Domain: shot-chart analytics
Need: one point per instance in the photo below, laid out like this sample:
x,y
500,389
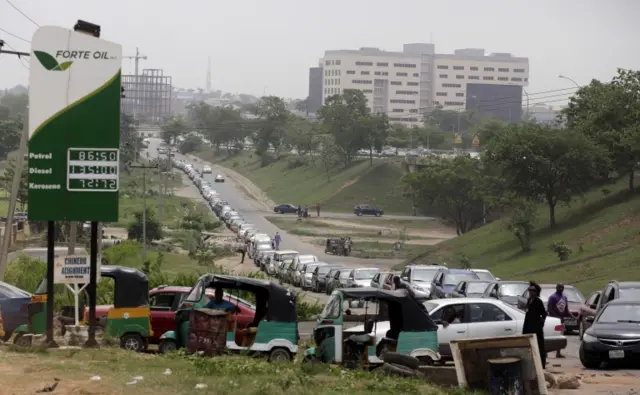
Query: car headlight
x,y
587,338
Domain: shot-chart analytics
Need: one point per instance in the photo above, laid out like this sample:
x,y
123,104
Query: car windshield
x,y
365,274
324,269
572,294
513,289
455,278
8,291
485,276
620,313
310,268
630,293
307,259
345,273
477,287
425,275
286,257
430,306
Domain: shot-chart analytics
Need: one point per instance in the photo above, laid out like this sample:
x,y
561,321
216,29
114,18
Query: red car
x,y
164,302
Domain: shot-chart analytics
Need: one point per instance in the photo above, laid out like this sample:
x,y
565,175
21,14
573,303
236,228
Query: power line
x,y
23,14
14,36
19,57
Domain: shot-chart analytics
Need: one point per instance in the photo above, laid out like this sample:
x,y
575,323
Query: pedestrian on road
x,y
299,211
306,211
276,240
318,208
558,306
243,251
415,210
534,319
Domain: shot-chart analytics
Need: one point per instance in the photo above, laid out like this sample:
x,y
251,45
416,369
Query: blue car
x,y
14,305
445,281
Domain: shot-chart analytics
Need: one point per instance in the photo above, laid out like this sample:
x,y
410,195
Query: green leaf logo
x,y
50,63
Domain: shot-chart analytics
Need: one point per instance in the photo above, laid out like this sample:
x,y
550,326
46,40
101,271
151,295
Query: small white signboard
x,y
73,269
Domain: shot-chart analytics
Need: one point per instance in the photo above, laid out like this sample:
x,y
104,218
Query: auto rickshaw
x,y
129,319
335,247
412,332
273,332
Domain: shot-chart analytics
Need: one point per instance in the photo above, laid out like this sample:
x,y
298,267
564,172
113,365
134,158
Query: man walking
x,y
558,307
318,208
276,240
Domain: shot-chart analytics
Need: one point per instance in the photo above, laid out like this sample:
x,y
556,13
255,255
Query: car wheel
x,y
281,212
588,360
132,342
359,214
401,359
279,355
167,345
378,214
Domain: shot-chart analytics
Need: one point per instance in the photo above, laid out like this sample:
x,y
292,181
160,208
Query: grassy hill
x,y
290,180
601,229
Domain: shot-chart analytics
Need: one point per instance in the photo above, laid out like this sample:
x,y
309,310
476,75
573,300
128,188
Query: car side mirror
x,y
590,319
593,306
498,279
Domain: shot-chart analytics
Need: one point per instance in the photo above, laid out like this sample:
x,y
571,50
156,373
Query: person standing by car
x,y
276,241
398,284
318,208
534,319
558,307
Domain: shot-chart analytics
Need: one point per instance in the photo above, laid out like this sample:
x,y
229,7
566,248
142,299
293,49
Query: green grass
x,y
174,207
296,181
601,230
27,372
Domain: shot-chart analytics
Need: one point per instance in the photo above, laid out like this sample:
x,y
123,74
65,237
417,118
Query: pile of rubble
x,y
557,380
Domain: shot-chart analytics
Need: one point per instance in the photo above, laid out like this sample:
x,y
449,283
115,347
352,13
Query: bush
x,y
294,163
561,249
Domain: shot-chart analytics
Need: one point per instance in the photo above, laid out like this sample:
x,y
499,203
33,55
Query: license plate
x,y
570,322
616,354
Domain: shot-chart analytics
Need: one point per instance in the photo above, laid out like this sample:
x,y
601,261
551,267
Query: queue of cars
x,y
484,305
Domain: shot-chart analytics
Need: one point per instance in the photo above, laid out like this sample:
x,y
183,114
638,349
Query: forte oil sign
x,y
74,127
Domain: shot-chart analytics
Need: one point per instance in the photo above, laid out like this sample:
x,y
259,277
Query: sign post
x,y
74,136
72,271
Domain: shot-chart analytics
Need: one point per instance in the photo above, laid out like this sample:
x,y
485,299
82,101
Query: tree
x,y
10,134
328,153
176,127
16,103
273,113
377,131
487,130
23,190
609,113
346,118
522,222
190,144
154,230
301,135
130,140
544,164
455,189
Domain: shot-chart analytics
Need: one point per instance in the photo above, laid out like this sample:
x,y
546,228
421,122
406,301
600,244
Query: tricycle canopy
x,y
273,301
131,286
403,308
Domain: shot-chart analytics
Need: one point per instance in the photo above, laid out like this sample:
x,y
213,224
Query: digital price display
x,y
93,169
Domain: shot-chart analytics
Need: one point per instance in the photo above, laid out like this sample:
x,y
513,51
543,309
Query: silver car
x,y
306,275
300,261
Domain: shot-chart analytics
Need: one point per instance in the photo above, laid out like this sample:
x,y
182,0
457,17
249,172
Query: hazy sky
x,y
268,46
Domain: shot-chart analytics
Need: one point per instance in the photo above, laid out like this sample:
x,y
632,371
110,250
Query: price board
x,y
74,127
92,169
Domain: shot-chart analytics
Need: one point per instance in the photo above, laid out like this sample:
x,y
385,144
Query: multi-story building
x,y
314,100
147,96
406,85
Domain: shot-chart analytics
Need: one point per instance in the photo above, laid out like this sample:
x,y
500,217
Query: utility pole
x,y
15,185
136,59
144,205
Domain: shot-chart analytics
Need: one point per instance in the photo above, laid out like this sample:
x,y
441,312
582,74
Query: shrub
x,y
561,249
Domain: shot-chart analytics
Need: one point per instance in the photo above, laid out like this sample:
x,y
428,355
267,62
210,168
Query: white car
x,y
219,178
206,170
479,317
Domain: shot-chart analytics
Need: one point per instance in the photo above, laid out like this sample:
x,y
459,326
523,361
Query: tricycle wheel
x,y
395,358
22,340
279,355
132,342
167,345
311,360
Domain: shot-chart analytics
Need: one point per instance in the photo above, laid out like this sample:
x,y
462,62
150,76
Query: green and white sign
x,y
74,126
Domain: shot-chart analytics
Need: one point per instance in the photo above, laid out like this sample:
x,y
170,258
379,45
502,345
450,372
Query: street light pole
x,y
144,206
564,77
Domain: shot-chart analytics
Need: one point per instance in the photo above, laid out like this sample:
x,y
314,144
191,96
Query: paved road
x,y
255,213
